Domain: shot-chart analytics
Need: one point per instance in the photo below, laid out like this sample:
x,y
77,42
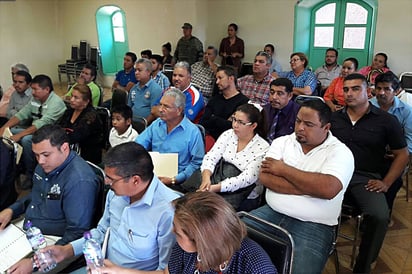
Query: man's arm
x,y
315,184
306,90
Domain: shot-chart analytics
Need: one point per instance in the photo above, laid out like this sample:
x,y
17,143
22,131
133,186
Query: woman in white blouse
x,y
243,146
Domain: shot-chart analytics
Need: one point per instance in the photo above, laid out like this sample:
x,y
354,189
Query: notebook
x,y
14,246
165,164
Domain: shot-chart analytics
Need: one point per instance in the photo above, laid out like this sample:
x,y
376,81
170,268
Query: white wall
x,y
40,33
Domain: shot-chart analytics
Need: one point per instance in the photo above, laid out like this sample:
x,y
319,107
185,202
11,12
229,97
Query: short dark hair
x,y
92,69
385,56
229,71
130,159
158,58
334,50
271,46
255,116
388,77
284,82
43,81
168,46
321,108
356,76
147,52
353,60
25,74
131,55
214,49
56,135
234,26
124,110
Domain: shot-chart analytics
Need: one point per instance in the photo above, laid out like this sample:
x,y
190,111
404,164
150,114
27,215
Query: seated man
x,y
126,79
146,54
282,110
275,66
256,86
221,106
368,132
306,175
157,74
64,191
194,106
330,70
144,95
138,212
204,72
174,133
6,94
23,94
44,108
87,76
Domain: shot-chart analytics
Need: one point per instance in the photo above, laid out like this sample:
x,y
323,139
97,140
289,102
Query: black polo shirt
x,y
369,137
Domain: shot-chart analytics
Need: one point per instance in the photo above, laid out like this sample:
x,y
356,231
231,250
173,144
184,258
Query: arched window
x,y
112,35
347,25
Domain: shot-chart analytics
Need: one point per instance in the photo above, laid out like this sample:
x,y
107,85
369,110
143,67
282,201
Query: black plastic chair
x,y
275,240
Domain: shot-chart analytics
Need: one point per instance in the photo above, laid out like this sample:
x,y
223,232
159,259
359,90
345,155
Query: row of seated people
x,y
167,106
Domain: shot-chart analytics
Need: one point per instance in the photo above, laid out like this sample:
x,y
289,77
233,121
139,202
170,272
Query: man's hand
x,y
166,180
58,252
5,217
23,266
376,186
272,166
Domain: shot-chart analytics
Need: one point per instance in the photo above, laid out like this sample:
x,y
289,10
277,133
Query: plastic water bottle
x,y
35,237
92,253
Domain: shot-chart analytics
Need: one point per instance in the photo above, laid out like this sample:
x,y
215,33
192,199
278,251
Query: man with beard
x,y
281,111
330,70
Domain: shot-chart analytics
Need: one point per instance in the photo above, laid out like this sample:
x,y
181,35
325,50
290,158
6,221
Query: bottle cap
x,y
87,235
28,224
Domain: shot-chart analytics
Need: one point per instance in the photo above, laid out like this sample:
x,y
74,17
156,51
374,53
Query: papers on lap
x,y
14,246
17,147
165,164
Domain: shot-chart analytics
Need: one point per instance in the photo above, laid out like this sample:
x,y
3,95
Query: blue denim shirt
x,y
141,234
62,202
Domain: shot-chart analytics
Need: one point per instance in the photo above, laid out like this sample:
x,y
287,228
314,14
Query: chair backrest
x,y
203,133
275,240
168,71
139,123
101,193
406,81
119,97
104,115
246,69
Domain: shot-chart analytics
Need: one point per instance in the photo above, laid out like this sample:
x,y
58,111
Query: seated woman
x,y
210,239
379,65
334,93
83,125
304,81
243,146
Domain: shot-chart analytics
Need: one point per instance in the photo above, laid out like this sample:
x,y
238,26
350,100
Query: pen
x,y
130,235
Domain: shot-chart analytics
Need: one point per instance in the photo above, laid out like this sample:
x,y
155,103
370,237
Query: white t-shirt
x,y
331,157
116,139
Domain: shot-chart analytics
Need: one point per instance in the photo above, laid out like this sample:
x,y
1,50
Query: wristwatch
x,y
173,180
34,265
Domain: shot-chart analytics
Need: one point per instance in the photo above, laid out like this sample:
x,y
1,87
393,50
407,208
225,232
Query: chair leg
x,y
355,240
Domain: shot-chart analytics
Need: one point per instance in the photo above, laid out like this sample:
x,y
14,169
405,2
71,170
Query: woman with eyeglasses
x,y
379,66
334,93
304,81
232,48
211,239
83,125
243,146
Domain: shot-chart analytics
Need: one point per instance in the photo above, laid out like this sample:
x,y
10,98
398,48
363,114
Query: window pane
x,y
355,14
117,20
354,38
118,34
326,14
323,37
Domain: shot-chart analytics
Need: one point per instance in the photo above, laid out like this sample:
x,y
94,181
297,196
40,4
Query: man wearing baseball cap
x,y
189,48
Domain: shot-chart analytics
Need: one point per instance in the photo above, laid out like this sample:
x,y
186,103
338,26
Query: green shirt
x,y
43,114
95,92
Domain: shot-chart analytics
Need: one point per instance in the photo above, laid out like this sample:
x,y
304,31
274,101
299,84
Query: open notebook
x,y
14,246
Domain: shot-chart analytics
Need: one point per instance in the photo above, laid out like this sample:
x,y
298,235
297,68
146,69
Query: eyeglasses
x,y
112,182
294,60
240,122
306,98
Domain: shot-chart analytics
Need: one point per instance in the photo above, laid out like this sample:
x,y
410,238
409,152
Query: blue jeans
x,y
313,241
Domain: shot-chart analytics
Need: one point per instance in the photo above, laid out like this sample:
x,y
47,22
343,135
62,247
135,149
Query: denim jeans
x,y
313,241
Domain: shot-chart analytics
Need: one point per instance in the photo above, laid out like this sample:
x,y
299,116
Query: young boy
x,y
122,130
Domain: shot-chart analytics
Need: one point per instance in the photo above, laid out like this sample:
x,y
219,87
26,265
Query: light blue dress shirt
x,y
141,234
403,113
185,139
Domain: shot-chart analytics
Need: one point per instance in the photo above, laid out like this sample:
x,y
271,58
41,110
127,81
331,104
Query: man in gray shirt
x,y
23,94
